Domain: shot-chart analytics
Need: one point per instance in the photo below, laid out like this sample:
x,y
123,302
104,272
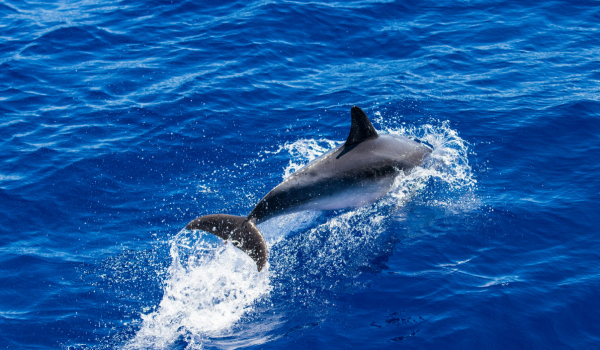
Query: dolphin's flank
x,y
357,173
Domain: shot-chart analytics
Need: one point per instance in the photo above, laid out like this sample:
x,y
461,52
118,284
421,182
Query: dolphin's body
x,y
357,173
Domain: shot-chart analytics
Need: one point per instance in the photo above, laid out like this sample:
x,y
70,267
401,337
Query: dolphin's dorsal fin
x,y
361,128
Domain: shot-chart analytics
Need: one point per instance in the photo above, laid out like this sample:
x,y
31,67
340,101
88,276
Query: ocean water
x,y
121,121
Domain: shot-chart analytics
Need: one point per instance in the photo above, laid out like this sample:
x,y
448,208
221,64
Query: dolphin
x,y
357,173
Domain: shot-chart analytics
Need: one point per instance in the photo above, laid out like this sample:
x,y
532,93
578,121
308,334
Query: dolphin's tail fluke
x,y
242,232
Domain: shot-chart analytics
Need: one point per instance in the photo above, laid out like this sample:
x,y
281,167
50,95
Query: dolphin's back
x,y
364,167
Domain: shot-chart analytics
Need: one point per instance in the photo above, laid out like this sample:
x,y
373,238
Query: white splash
x,y
303,152
210,286
447,166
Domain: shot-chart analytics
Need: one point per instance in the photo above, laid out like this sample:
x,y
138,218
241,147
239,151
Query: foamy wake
x,y
211,286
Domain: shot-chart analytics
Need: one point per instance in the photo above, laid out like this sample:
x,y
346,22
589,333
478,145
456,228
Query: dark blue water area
x,y
121,121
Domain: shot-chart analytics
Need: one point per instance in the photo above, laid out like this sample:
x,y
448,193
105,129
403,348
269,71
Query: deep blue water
x,y
121,121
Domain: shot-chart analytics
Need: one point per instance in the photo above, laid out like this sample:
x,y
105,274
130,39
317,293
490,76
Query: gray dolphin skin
x,y
357,173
